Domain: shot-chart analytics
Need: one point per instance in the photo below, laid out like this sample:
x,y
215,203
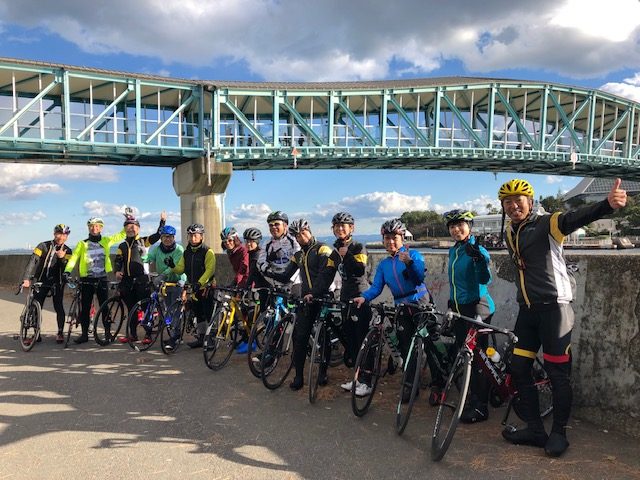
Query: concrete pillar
x,y
201,192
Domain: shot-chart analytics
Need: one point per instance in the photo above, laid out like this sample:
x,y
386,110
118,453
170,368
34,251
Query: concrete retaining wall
x,y
606,336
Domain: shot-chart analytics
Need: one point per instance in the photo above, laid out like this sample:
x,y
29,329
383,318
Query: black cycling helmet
x,y
393,227
228,232
62,228
342,217
277,215
252,233
457,215
298,226
131,220
195,228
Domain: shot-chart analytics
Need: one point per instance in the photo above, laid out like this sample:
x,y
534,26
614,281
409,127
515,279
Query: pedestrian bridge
x,y
64,114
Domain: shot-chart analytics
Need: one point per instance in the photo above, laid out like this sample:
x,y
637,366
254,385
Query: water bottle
x,y
392,341
495,357
140,316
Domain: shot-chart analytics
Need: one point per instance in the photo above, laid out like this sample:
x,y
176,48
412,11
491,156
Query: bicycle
x,y
422,350
108,320
179,321
255,343
30,318
453,397
276,360
374,352
149,314
223,332
325,334
73,317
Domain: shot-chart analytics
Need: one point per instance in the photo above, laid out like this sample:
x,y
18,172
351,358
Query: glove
x,y
65,277
263,267
128,212
473,250
168,261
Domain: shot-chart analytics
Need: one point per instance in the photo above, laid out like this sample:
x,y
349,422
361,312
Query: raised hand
x,y
617,197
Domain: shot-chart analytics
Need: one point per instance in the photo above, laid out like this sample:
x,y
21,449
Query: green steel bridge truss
x,y
62,114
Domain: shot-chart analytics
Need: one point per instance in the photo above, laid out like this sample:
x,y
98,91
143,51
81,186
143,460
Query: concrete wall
x,y
606,336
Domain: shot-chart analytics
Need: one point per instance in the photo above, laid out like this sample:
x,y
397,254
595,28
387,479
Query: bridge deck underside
x,y
67,115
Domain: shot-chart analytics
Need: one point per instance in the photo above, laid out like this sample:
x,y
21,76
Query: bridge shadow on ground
x,y
114,412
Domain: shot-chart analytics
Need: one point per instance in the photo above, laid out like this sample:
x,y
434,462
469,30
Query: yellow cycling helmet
x,y
515,187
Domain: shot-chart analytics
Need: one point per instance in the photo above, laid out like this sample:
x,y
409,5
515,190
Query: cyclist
x,y
544,293
252,238
131,270
46,265
312,259
168,248
349,258
199,264
403,271
238,255
469,275
278,251
94,263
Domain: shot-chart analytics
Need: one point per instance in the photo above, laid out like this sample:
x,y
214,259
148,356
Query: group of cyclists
x,y
293,258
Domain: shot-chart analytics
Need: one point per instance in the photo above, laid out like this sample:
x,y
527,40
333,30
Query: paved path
x,y
110,413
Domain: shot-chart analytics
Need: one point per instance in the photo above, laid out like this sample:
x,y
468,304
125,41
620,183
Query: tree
x,y
491,210
424,223
553,204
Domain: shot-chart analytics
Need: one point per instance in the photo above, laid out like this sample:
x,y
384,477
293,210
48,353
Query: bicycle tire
x,y
72,320
277,357
108,321
257,336
30,326
451,405
220,340
316,360
173,327
403,412
367,370
149,319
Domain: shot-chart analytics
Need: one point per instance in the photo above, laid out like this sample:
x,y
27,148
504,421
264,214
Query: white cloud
x,y
19,181
113,214
551,179
308,41
21,218
628,88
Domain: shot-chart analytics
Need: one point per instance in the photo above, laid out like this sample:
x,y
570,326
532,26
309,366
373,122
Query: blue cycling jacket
x,y
406,282
468,280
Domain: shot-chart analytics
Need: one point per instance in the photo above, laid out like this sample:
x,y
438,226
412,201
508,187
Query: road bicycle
x,y
179,322
30,318
230,322
148,316
258,333
377,353
453,397
73,315
426,348
276,359
325,337
109,317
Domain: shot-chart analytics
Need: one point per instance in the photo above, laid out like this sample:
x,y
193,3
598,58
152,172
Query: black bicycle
x,y
30,318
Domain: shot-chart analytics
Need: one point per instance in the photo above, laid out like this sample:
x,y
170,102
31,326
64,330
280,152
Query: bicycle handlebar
x,y
479,323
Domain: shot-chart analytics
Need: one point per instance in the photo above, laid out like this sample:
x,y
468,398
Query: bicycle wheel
x,y
451,405
410,376
72,320
543,387
277,357
148,319
337,349
317,360
367,371
108,320
30,326
257,337
220,340
172,329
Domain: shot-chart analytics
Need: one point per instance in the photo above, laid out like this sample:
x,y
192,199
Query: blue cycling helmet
x,y
167,230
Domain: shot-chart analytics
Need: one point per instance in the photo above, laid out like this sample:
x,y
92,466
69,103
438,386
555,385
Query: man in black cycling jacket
x,y
46,265
545,317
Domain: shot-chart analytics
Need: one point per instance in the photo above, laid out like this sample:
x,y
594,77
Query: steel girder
x,y
68,114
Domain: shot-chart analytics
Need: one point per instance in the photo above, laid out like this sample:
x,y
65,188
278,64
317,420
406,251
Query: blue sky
x,y
561,41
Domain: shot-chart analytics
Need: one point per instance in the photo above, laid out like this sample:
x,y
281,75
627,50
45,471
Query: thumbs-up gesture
x,y
617,197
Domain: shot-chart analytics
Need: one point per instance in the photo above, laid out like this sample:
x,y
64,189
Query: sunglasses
x,y
275,225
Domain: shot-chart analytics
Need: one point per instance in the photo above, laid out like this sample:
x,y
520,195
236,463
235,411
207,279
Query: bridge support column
x,y
201,190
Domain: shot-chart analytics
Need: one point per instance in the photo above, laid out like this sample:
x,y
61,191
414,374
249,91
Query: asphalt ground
x,y
90,412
